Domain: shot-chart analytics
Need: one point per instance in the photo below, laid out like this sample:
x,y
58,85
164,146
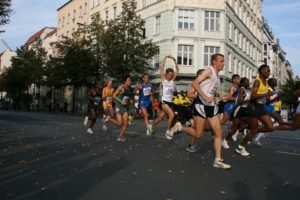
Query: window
x,y
63,22
106,16
96,2
212,21
68,19
157,25
208,52
230,63
80,11
185,55
186,19
265,49
85,8
143,3
236,35
156,60
114,12
240,40
234,65
230,30
74,15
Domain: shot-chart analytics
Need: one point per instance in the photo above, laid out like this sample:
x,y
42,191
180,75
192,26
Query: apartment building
x,y
190,30
5,59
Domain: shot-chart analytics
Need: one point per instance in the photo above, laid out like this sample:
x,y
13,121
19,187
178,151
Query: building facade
x,y
190,30
5,59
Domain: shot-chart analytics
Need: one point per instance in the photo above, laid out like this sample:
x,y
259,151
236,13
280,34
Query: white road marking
x,y
288,153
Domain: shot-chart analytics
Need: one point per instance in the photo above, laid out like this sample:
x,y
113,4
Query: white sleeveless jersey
x,y
210,87
168,90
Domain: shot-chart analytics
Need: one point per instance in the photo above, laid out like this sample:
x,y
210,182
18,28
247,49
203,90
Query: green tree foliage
x,y
5,11
288,89
127,50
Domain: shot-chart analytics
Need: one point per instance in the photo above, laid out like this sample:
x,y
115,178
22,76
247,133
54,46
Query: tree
x,y
5,11
288,89
77,62
127,50
96,37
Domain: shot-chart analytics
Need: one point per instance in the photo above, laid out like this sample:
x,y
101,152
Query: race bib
x,y
147,91
108,99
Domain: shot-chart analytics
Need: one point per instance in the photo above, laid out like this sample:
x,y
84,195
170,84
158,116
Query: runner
x,y
270,109
107,96
240,112
232,95
123,98
93,107
259,95
144,101
192,94
167,79
206,86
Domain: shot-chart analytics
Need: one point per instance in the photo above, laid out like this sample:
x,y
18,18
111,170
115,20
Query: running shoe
x,y
176,128
225,144
220,164
168,135
85,121
242,151
121,139
104,127
191,148
149,130
89,131
235,136
257,143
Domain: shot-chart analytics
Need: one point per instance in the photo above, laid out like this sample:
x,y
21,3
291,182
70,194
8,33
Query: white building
x,y
5,59
191,30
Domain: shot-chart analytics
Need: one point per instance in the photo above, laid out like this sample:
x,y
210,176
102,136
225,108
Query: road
x,y
48,156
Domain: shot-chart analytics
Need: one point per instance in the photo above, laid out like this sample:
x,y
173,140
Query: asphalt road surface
x,y
48,156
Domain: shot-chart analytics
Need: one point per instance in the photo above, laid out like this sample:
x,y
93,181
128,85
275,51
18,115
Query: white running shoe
x,y
104,127
220,164
168,135
121,139
176,128
242,151
86,120
149,130
235,136
257,143
225,144
89,131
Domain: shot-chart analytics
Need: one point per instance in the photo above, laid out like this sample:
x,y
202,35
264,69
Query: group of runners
x,y
244,109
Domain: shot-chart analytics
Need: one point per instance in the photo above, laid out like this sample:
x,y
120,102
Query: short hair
x,y
215,56
126,77
199,72
242,81
234,76
169,70
262,67
271,81
145,74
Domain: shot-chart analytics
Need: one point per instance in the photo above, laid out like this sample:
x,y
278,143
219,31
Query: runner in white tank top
x,y
206,86
168,90
167,79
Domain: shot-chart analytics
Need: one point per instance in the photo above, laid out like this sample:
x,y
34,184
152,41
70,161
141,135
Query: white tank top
x,y
210,87
168,90
246,97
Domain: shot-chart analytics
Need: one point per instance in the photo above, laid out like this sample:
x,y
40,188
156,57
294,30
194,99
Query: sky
x,y
29,16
